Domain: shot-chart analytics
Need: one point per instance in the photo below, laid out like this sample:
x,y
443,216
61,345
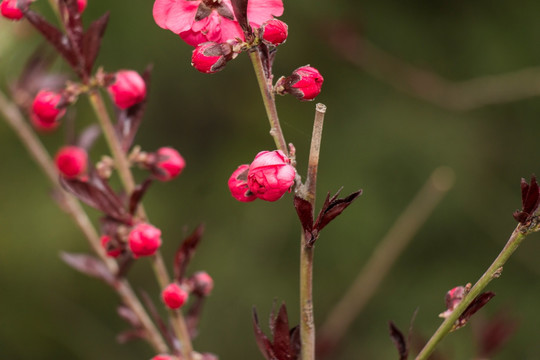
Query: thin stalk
x,y
40,155
307,324
265,85
492,272
383,258
124,171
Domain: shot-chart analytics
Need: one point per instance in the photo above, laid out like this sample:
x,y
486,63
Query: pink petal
x,y
175,15
260,11
230,30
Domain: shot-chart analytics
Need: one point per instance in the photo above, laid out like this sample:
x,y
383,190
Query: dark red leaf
x,y
193,316
494,334
296,345
240,12
91,41
127,314
265,346
185,252
130,118
165,331
137,195
130,335
399,341
479,302
305,214
282,342
533,195
71,18
89,265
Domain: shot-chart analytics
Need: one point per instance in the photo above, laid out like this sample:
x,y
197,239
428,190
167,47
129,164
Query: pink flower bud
x,y
202,283
9,10
211,57
109,248
81,5
162,357
274,32
167,164
128,89
174,296
45,113
305,83
238,185
453,298
144,240
71,161
270,175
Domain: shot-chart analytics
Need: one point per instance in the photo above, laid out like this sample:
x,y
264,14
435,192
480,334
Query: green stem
x,y
265,85
492,272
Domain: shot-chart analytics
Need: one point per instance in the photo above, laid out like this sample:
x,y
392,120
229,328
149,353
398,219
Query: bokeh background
x,y
376,137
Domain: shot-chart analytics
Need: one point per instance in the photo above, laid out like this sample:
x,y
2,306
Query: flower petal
x,y
175,15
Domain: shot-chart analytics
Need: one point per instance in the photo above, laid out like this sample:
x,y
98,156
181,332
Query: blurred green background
x,y
375,137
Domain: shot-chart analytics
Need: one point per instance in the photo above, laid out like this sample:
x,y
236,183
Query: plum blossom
x,y
198,21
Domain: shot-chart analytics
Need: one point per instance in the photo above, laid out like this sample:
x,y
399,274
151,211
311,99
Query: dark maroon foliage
x,y
240,12
491,335
399,341
332,208
479,302
90,266
193,315
286,342
137,195
130,118
165,330
185,252
530,200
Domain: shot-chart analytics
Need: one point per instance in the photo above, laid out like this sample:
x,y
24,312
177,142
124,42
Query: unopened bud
x,y
270,175
174,296
202,283
127,89
9,10
238,185
166,163
45,113
71,161
274,32
81,5
108,246
211,57
144,240
304,83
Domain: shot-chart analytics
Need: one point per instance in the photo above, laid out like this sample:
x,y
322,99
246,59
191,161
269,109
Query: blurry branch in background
x,y
429,86
383,258
14,118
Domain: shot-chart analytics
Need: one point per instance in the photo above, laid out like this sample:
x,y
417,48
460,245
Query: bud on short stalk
x,y
81,5
127,89
71,161
174,296
144,240
9,10
304,83
211,57
45,112
202,283
270,175
274,32
166,163
238,185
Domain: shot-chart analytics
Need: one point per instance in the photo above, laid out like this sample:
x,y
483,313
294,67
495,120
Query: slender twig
x,y
124,171
383,258
40,155
494,270
265,85
432,87
307,324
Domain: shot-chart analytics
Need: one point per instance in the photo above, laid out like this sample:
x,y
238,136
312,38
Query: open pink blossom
x,y
198,21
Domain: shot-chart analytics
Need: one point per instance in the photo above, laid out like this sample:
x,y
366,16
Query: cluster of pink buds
x,y
71,161
175,295
268,177
127,89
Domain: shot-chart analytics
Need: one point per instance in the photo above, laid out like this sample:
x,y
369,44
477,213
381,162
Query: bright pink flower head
x,y
210,57
9,10
109,249
305,83
202,283
274,32
174,296
71,161
81,5
144,240
168,164
270,175
238,185
198,21
45,113
128,89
